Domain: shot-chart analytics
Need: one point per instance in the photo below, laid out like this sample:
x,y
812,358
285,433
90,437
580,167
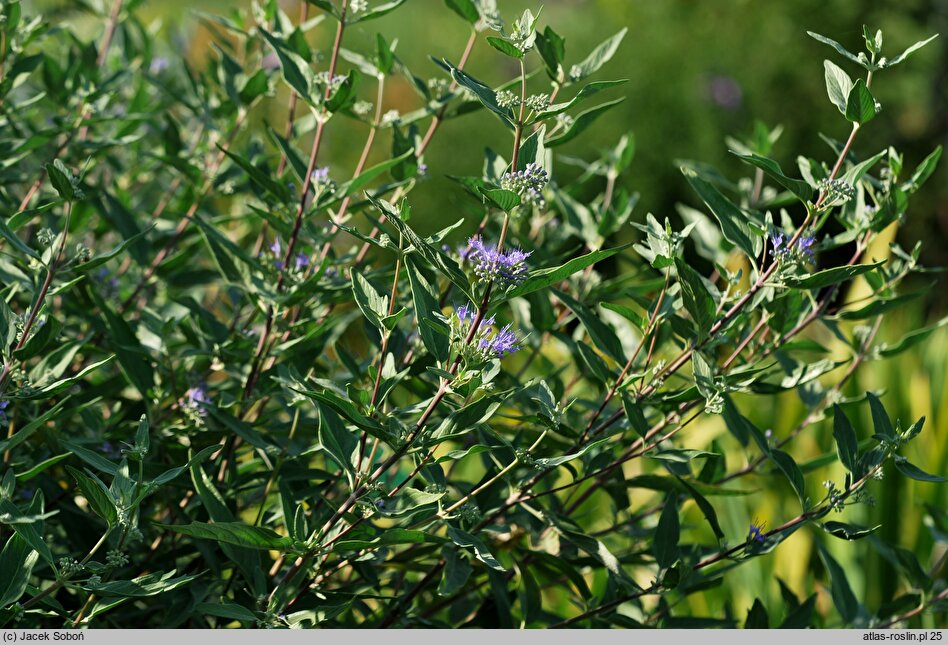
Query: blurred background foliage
x,y
699,72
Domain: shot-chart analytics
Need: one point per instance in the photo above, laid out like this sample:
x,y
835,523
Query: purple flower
x,y
158,65
725,92
320,175
465,313
3,414
805,245
109,450
422,169
755,534
301,261
198,399
107,283
803,248
501,343
508,268
277,250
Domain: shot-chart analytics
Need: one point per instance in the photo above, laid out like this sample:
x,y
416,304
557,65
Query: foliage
x,y
238,377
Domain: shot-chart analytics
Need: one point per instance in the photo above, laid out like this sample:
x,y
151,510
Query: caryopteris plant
x,y
241,387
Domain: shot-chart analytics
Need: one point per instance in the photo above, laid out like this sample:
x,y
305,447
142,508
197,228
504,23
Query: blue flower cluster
x,y
802,249
756,533
509,268
198,400
488,343
300,260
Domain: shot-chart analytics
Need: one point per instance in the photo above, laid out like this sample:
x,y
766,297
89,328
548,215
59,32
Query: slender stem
x,y
40,298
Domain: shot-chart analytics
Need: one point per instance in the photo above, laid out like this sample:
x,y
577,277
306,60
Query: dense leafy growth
x,y
239,378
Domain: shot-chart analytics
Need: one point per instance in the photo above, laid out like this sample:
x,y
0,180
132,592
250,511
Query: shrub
x,y
239,378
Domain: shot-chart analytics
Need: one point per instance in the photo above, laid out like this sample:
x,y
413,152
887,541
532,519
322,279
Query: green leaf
x,y
880,420
832,276
484,94
464,8
910,339
505,200
583,121
798,187
7,327
444,264
457,570
377,11
552,49
552,462
384,54
151,584
925,168
337,441
31,532
835,45
505,47
600,333
99,497
296,72
259,177
543,278
434,333
914,472
373,305
16,564
838,85
236,533
843,597
26,431
801,616
860,104
388,537
735,225
667,533
706,508
101,259
846,531
40,339
789,468
62,180
248,560
92,458
847,445
226,610
696,297
16,242
911,50
467,541
597,57
757,617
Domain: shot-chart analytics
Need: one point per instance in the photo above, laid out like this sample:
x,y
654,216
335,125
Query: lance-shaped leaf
x,y
829,277
697,299
798,187
236,533
847,445
373,305
583,121
737,227
484,94
600,333
598,57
